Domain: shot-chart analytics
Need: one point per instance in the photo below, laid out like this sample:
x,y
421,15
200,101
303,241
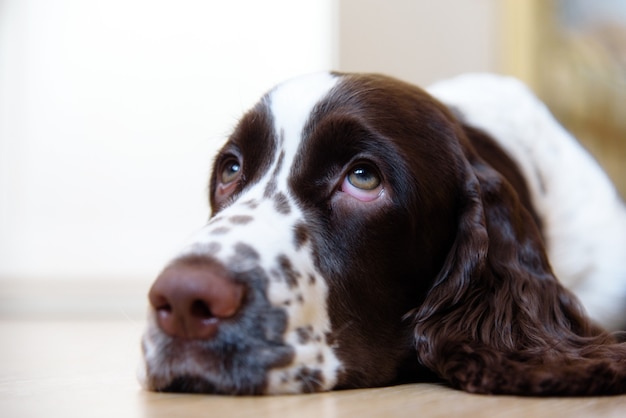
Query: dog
x,y
365,232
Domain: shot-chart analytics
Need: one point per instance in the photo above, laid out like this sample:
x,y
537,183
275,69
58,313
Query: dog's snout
x,y
193,296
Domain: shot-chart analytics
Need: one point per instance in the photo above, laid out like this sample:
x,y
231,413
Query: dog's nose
x,y
193,296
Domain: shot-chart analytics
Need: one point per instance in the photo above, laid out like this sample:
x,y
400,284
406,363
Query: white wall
x,y
110,112
421,41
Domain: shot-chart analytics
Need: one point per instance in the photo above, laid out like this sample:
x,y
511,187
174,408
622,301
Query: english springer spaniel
x,y
365,232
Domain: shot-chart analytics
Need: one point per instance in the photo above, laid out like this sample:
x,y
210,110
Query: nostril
x,y
200,309
164,311
159,302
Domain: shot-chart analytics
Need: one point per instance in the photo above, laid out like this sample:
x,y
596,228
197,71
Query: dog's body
x,y
363,234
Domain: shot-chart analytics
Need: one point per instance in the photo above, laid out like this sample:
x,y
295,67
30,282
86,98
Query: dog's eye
x,y
228,178
364,177
231,169
363,182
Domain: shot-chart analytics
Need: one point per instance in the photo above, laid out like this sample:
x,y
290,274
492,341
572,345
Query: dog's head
x,y
354,232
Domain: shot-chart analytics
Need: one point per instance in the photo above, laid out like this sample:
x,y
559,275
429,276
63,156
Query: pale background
x,y
111,111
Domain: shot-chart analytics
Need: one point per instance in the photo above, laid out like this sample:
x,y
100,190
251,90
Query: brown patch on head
x,y
252,203
241,219
281,204
305,334
312,379
220,230
212,248
300,235
287,271
271,186
245,251
281,158
329,339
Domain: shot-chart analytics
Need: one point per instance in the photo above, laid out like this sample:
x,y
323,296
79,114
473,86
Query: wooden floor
x,y
87,369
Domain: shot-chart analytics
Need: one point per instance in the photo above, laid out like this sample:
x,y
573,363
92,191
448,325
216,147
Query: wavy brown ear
x,y
496,319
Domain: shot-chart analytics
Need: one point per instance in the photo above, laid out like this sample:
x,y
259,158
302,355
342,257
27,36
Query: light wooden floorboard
x,y
88,369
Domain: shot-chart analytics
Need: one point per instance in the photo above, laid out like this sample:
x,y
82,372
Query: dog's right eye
x,y
230,171
228,178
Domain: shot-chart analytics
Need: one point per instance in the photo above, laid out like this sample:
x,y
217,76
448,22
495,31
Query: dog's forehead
x,y
272,133
292,104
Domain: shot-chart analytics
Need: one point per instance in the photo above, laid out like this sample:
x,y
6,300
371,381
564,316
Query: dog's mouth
x,y
237,367
191,384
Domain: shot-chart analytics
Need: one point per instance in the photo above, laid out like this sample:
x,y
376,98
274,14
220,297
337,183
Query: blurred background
x,y
111,111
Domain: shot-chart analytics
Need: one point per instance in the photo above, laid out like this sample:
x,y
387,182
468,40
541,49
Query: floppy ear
x,y
496,319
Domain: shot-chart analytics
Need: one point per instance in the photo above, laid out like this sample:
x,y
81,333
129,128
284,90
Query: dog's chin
x,y
196,384
207,382
179,366
190,384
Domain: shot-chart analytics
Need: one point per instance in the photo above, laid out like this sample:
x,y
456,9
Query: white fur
x,y
583,215
272,234
292,103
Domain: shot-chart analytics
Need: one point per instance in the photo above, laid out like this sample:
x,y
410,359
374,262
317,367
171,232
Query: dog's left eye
x,y
363,182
